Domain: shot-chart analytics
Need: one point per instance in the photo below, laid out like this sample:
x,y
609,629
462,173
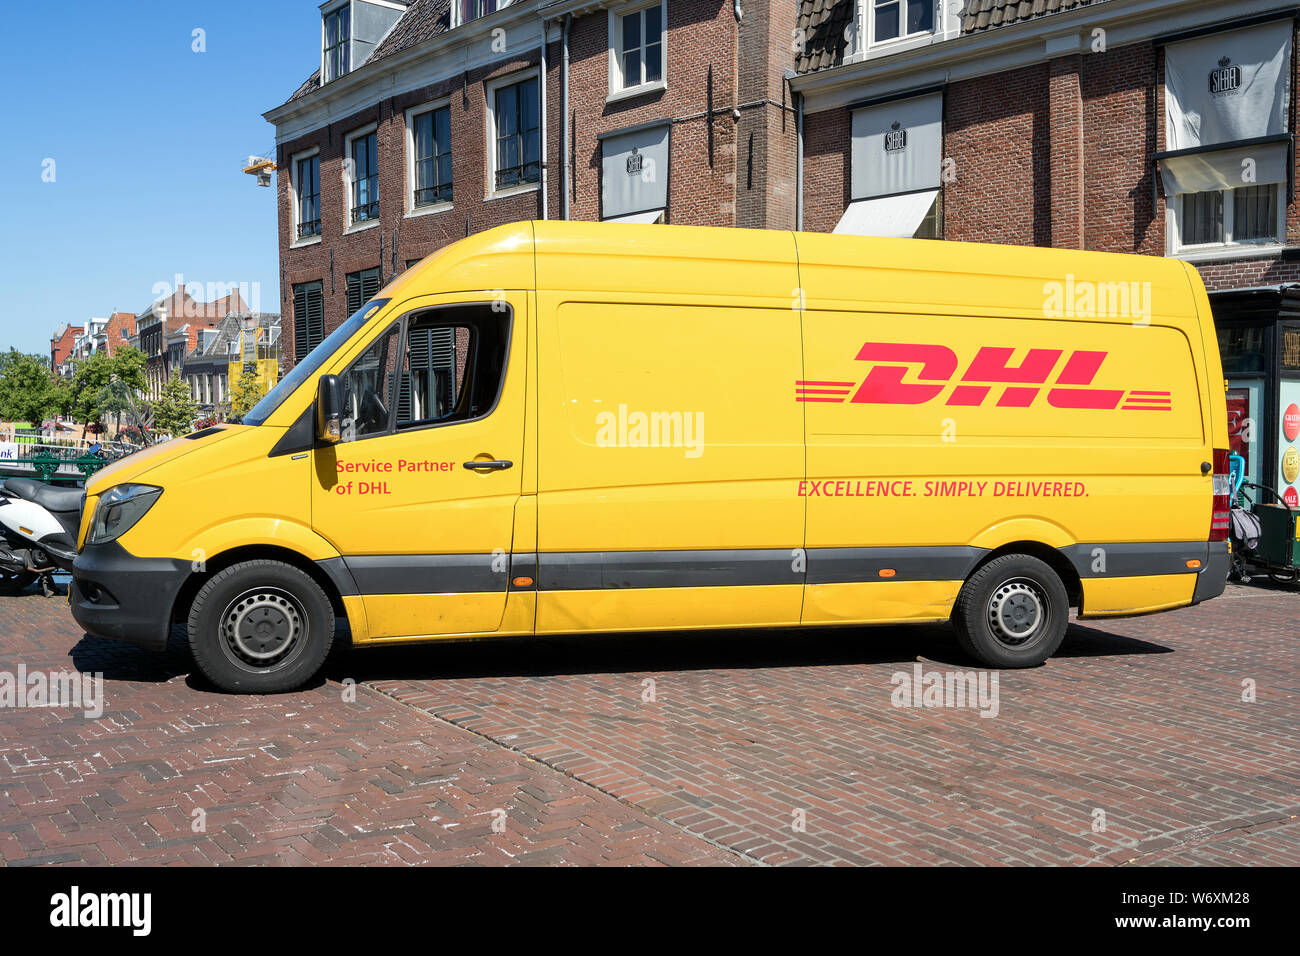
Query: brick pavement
x,y
1139,720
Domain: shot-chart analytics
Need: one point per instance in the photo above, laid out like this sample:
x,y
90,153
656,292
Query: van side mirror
x,y
329,410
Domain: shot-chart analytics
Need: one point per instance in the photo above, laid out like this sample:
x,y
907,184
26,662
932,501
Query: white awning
x,y
898,216
1225,169
649,216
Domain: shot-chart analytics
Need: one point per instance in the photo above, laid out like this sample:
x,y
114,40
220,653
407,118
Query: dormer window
x,y
338,42
467,10
896,19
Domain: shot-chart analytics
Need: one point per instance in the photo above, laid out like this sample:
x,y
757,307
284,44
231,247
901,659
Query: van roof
x,y
825,270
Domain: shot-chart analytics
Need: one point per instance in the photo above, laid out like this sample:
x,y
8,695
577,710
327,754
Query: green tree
x,y
99,383
175,410
246,392
89,378
28,390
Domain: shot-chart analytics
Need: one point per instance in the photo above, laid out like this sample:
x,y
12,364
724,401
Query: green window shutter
x,y
355,299
316,314
300,348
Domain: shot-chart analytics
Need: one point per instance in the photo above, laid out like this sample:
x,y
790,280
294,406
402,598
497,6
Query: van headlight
x,y
119,509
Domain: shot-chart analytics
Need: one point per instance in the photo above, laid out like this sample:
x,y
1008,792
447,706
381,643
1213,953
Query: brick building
x,y
1158,127
62,345
451,123
116,333
168,330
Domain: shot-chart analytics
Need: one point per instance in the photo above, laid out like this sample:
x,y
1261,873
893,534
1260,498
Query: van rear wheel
x,y
1012,612
260,627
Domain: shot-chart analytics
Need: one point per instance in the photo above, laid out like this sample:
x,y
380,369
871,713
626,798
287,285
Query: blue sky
x,y
148,139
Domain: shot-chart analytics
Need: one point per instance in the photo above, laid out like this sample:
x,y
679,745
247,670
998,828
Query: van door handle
x,y
488,465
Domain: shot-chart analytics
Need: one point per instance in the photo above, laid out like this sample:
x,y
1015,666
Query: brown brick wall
x,y
1123,126
996,132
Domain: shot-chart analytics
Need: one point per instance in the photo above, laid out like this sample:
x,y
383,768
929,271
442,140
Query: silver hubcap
x,y
1017,612
262,627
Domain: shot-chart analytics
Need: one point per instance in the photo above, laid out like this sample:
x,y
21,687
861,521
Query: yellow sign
x,y
1290,464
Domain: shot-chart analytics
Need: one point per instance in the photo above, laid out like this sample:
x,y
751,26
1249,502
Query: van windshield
x,y
311,363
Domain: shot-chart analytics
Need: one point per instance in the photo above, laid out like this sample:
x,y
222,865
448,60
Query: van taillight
x,y
1220,513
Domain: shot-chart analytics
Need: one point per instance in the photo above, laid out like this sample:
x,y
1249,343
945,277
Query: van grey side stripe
x,y
1136,559
429,573
599,570
852,565
595,570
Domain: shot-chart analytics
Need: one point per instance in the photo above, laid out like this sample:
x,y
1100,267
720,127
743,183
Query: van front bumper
x,y
116,595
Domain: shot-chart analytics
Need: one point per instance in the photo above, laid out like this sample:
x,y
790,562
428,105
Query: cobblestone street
x,y
1132,746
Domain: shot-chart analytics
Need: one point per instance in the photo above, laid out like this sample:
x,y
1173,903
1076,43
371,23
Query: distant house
x,y
62,345
167,331
116,333
219,353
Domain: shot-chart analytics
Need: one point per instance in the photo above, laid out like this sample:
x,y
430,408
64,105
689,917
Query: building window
x,y
467,10
306,191
363,177
431,156
308,318
638,47
891,19
516,117
337,42
1248,215
362,287
1254,214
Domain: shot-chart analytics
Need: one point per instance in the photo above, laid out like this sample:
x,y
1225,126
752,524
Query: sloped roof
x,y
824,23
986,14
423,20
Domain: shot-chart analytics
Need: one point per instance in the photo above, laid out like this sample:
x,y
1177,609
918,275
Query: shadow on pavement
x,y
604,653
699,650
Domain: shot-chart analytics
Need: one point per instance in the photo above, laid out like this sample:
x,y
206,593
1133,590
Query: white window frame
x,y
456,20
348,177
490,111
411,115
325,13
866,24
1229,248
294,211
617,88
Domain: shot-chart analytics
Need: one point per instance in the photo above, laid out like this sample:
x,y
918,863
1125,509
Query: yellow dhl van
x,y
574,427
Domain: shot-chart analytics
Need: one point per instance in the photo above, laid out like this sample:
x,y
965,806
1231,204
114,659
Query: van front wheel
x,y
1012,612
260,627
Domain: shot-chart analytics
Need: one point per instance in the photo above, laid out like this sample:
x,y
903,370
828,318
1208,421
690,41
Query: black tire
x,y
260,627
1012,612
14,581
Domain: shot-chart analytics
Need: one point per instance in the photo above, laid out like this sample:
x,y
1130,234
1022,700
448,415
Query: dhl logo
x,y
935,366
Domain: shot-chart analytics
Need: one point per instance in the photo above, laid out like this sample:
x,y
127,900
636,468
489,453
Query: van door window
x,y
453,366
367,388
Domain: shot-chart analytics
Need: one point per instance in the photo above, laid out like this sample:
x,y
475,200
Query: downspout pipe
x,y
542,90
798,155
565,186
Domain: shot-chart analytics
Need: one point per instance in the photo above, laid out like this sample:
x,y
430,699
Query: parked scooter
x,y
38,532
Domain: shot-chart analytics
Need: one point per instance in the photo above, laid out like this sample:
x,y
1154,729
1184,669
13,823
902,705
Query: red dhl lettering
x,y
915,374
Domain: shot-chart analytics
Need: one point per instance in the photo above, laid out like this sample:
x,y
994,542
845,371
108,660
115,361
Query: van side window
x,y
367,388
453,365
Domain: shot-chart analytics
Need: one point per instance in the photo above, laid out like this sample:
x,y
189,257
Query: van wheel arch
x,y
218,563
1050,556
